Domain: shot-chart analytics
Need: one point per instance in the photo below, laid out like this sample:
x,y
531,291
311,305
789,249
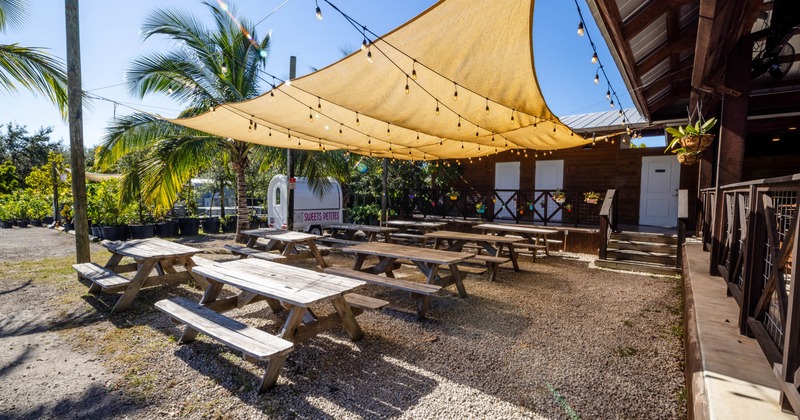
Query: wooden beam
x,y
670,78
609,13
684,42
677,92
642,19
733,120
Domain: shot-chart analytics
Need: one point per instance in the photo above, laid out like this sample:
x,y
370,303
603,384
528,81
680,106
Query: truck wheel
x,y
315,230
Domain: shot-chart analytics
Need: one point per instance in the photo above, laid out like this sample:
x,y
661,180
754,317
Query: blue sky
x,y
110,40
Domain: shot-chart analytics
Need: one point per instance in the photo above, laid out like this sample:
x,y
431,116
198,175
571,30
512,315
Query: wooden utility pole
x,y
54,175
74,98
289,160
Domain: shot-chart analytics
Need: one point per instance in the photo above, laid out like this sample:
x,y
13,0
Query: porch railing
x,y
608,221
753,247
705,209
520,206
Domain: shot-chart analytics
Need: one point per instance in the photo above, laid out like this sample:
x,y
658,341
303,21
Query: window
x,y
278,196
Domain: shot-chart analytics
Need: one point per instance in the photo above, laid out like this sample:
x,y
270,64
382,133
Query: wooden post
x,y
791,341
384,180
733,121
74,97
289,161
751,249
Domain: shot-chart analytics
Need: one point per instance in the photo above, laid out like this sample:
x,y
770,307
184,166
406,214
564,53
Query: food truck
x,y
312,212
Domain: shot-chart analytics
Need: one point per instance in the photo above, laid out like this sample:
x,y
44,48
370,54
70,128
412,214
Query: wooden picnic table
x,y
346,231
426,260
148,254
425,227
534,235
287,243
493,244
283,287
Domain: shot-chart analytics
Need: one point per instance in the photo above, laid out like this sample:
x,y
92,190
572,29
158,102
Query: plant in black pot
x,y
5,215
210,224
39,208
21,208
189,225
66,217
229,223
110,213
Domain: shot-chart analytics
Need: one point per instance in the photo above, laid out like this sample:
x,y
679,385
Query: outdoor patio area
x,y
559,339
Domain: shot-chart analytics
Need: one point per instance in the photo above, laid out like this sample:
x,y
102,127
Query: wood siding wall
x,y
603,167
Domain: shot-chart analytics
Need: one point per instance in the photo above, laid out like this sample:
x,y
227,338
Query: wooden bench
x,y
323,250
355,300
409,237
102,278
492,264
420,291
533,248
244,252
337,241
255,345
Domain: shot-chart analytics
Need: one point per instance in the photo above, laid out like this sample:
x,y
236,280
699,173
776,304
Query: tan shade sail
x,y
98,177
468,55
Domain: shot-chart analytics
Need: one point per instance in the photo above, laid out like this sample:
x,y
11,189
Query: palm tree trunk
x,y
242,214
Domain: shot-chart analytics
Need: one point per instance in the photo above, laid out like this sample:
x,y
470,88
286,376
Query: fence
x,y
754,242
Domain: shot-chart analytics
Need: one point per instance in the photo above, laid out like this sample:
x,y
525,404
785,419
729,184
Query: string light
x,y
459,124
340,129
487,106
611,103
455,91
319,105
414,70
310,115
357,121
369,54
597,77
580,28
512,115
319,11
608,94
270,132
437,107
364,45
388,131
594,58
407,89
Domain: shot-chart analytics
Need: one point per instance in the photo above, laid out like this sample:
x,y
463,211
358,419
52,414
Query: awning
x,y
98,177
467,55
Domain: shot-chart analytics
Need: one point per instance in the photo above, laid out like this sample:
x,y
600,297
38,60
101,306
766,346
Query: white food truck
x,y
311,212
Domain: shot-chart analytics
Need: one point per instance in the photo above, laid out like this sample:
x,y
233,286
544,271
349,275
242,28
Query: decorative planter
x,y
530,206
6,224
22,223
480,211
688,158
697,143
230,226
142,231
454,197
115,233
166,229
559,200
210,225
412,196
68,226
188,226
591,201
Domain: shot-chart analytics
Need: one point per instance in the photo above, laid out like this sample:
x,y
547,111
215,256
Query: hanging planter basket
x,y
454,197
591,200
697,143
688,158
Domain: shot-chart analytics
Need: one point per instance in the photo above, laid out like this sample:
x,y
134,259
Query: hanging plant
x,y
692,139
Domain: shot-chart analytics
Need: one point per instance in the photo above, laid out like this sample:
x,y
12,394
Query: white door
x,y
658,201
548,175
506,185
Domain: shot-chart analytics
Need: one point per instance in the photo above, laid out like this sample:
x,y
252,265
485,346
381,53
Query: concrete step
x,y
637,266
650,257
659,238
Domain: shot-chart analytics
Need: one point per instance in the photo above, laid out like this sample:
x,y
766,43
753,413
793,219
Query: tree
x,y
32,68
208,68
26,151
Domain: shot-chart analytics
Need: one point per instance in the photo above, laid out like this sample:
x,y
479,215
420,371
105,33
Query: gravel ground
x,y
560,339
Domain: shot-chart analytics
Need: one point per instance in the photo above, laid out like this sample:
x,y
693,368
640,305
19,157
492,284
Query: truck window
x,y
277,196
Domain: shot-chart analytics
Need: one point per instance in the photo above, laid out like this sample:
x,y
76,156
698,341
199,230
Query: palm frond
x,y
35,70
12,14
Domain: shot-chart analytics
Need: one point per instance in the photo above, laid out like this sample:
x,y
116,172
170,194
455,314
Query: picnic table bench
x,y
244,252
148,254
292,245
347,231
419,291
535,238
492,244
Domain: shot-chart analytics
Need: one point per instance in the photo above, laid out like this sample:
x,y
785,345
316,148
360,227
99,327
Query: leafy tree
x,y
33,69
26,151
208,68
8,177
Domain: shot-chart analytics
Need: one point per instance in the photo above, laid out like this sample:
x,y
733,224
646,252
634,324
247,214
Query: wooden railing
x,y
753,247
705,209
683,218
608,221
520,206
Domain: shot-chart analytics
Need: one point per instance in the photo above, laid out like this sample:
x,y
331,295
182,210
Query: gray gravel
x,y
557,340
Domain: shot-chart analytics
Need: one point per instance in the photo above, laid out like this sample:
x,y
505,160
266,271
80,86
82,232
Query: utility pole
x,y
74,98
54,175
383,195
289,162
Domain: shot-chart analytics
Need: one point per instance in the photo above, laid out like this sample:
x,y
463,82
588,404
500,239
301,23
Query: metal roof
x,y
606,121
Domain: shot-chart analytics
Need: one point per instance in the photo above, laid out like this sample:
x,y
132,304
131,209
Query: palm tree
x,y
31,68
209,68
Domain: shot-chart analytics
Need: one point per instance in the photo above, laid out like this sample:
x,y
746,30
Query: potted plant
x,y
38,208
66,217
453,194
568,208
692,139
591,197
210,224
5,215
480,208
530,204
559,196
21,209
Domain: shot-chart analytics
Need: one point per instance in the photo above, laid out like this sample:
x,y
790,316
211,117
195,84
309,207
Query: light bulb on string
x,y
318,11
369,54
414,70
364,45
357,121
310,115
611,103
289,134
580,29
270,132
608,94
250,127
512,115
594,58
437,108
407,89
597,78
459,123
255,126
388,130
487,106
340,129
319,105
455,91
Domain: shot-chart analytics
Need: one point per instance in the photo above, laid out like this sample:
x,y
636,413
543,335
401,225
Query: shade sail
x,y
98,177
479,51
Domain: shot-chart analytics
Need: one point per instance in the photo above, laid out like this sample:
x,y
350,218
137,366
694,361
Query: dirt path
x,y
41,376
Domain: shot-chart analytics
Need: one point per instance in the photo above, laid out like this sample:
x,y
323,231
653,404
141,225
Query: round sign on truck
x,y
312,210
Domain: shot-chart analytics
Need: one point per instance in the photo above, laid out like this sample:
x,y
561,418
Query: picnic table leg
x,y
315,251
423,304
133,288
293,321
273,370
348,320
512,254
189,264
462,292
387,238
359,262
113,261
251,241
384,265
